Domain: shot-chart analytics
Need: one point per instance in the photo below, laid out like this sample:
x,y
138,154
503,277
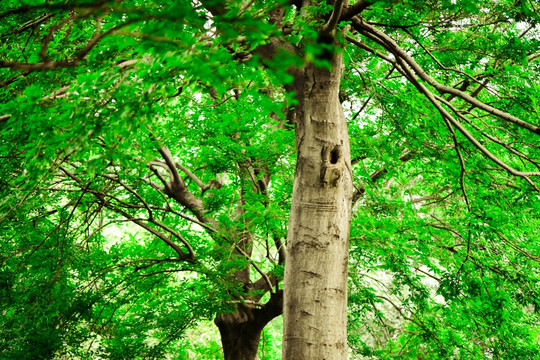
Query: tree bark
x,y
239,337
241,331
315,285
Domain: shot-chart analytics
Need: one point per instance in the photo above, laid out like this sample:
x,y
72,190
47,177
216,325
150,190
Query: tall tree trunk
x,y
315,285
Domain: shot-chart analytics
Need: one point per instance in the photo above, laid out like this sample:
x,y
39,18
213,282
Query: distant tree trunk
x,y
239,336
315,285
241,331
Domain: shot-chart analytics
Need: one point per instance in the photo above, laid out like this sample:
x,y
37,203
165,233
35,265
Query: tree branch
x,y
73,62
355,9
192,176
101,197
334,18
167,156
401,65
446,115
263,274
388,43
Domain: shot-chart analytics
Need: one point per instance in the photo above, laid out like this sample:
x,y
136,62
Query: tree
x,y
179,123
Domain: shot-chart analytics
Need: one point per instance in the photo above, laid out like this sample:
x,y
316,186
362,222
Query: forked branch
x,y
389,44
412,71
335,16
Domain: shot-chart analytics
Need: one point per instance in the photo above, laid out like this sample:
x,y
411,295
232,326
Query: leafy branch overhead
x,y
166,162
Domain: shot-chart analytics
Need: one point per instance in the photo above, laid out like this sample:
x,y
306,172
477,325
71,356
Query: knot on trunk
x,y
332,165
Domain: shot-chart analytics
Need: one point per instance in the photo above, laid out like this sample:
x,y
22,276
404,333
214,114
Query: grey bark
x,y
315,285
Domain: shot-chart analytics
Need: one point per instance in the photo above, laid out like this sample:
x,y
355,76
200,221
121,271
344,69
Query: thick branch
x,y
334,17
167,156
402,66
193,177
355,9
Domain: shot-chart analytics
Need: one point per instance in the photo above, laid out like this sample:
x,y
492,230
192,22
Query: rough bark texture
x,y
315,299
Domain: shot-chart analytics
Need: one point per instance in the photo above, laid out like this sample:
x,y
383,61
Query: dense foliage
x,y
147,165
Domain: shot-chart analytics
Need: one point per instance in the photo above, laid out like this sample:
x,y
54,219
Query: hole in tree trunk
x,y
334,155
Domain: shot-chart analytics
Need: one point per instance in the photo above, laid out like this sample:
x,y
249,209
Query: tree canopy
x,y
148,154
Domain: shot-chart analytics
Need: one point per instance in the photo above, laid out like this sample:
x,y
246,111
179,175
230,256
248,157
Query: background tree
x,y
148,151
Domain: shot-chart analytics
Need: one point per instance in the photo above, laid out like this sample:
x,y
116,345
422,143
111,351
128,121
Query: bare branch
x,y
370,50
58,94
133,192
515,247
439,63
153,184
486,135
41,66
161,178
50,35
29,24
175,234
